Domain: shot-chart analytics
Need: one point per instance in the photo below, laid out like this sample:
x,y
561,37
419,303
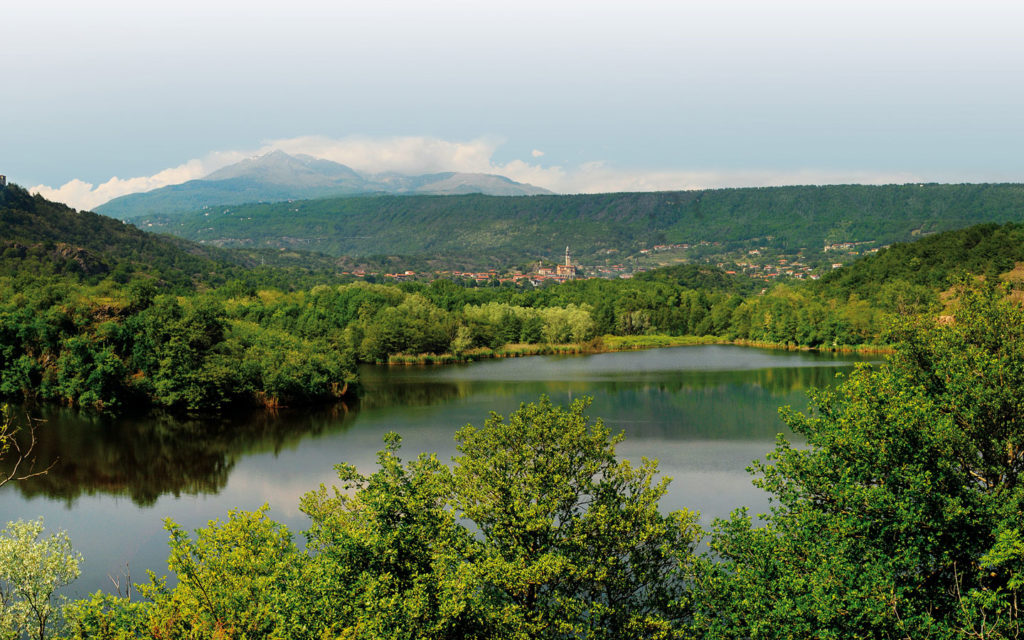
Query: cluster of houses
x,y
783,267
561,272
566,270
844,246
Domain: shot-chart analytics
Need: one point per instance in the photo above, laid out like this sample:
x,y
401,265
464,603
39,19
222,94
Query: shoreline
x,y
612,344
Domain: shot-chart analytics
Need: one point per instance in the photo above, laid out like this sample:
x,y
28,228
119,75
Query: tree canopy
x,y
902,516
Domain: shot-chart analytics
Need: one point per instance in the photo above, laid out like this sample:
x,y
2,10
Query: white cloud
x,y
85,195
408,154
421,154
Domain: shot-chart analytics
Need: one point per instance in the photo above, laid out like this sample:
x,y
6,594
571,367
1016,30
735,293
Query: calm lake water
x,y
705,412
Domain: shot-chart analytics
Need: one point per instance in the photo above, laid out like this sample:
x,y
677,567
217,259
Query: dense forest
x,y
899,517
502,231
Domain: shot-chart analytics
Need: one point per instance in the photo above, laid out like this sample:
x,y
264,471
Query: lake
x,y
705,412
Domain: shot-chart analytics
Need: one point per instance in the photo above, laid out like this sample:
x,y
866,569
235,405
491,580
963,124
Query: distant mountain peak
x,y
279,168
277,176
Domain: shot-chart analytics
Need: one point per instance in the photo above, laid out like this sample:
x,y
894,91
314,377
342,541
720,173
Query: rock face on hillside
x,y
277,176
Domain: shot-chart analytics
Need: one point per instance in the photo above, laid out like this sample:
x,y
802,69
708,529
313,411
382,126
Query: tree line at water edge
x,y
114,347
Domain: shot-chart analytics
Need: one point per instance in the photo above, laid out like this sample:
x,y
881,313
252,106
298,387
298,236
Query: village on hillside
x,y
762,263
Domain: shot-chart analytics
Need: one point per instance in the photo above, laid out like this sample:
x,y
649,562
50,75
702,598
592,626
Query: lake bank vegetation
x,y
113,347
901,517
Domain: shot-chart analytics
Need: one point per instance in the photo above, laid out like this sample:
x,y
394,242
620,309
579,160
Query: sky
x,y
107,97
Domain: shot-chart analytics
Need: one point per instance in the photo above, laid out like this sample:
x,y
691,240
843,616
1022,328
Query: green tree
x,y
389,559
572,542
107,617
414,326
232,580
176,348
32,569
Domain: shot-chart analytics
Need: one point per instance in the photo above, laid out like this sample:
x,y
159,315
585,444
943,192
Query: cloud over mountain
x,y
415,155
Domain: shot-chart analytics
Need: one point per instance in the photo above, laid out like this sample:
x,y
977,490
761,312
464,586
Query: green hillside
x,y
933,263
96,313
47,238
605,227
43,238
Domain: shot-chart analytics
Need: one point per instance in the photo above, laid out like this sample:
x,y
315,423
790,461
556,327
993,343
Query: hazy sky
x,y
573,96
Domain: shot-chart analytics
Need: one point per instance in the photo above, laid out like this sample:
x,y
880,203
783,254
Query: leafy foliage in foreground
x,y
903,517
32,568
582,551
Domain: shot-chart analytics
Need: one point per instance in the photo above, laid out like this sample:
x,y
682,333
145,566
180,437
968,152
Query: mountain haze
x,y
455,183
278,176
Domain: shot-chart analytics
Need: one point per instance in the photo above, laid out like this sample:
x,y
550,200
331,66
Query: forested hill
x,y
604,226
42,237
933,263
702,277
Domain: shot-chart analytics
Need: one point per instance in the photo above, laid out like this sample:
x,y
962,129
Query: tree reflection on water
x,y
146,457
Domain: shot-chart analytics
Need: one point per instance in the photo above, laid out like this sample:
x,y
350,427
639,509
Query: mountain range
x,y
278,176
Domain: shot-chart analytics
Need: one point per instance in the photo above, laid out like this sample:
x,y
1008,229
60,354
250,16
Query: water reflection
x,y
655,394
146,457
661,395
677,405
